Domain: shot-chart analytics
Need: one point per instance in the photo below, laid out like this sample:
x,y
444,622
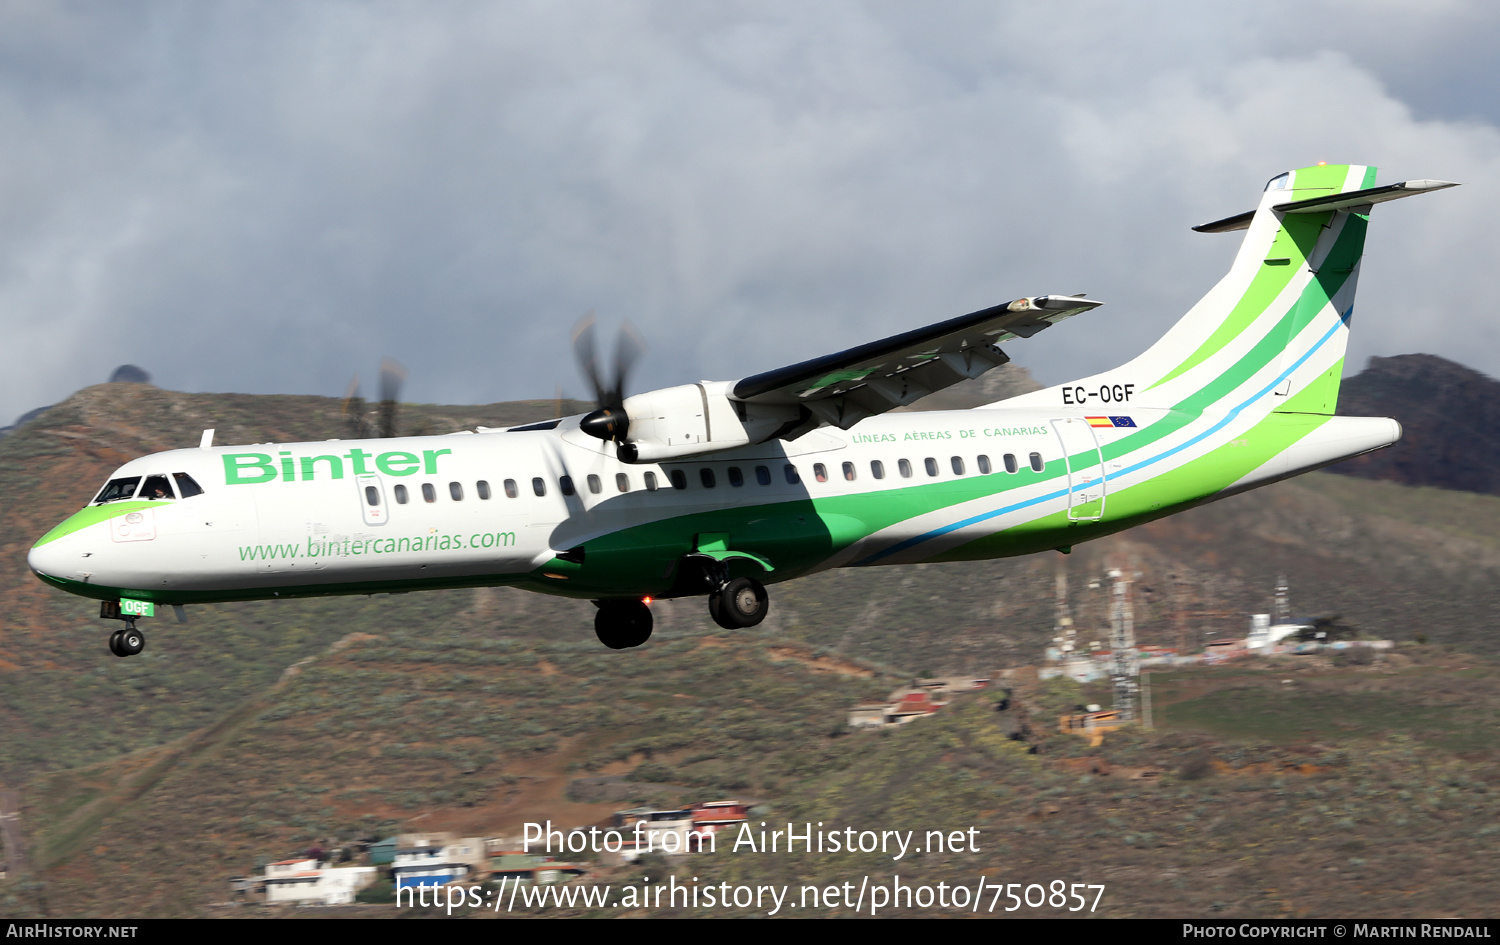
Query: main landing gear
x,y
621,624
127,642
734,605
739,603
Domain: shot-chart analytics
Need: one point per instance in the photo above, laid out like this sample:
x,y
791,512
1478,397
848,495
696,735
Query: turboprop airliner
x,y
719,488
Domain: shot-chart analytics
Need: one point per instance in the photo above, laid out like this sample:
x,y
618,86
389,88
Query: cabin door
x,y
1086,478
371,499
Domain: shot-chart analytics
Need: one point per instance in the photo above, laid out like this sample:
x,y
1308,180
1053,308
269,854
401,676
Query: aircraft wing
x,y
844,388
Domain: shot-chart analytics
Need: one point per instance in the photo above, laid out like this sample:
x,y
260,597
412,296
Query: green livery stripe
x,y
1320,179
1163,494
1295,241
93,515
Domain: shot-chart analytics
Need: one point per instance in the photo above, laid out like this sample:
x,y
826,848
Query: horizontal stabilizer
x,y
1341,201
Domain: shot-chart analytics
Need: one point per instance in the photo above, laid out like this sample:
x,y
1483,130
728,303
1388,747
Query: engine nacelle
x,y
675,422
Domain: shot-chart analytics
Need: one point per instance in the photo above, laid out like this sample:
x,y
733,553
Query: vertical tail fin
x,y
1275,327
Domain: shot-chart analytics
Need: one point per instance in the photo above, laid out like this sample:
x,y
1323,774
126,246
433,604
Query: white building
x,y
312,883
435,859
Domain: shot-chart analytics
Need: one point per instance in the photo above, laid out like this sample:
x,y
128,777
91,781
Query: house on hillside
x,y
312,882
710,817
924,697
436,859
907,705
672,832
518,866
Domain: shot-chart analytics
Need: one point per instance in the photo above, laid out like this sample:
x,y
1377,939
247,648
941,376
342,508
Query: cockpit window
x,y
187,486
157,487
117,489
1279,182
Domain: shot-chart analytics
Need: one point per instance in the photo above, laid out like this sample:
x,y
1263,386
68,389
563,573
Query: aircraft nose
x,y
49,559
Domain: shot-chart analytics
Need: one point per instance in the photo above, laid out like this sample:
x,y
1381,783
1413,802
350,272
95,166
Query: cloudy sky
x,y
268,197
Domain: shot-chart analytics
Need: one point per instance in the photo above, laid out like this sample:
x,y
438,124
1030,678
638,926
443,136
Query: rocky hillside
x,y
1450,421
260,728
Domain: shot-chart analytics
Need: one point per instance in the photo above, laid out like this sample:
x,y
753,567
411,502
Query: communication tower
x,y
1125,669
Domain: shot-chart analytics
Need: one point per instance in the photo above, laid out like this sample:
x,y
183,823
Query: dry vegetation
x,y
1352,789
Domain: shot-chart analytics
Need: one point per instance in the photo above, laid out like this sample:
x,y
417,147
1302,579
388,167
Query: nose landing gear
x,y
127,642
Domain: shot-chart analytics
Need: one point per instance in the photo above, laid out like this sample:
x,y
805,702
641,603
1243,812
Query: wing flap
x,y
842,389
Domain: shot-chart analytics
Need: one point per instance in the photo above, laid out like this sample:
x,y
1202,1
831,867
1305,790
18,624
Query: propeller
x,y
392,376
609,421
353,410
355,414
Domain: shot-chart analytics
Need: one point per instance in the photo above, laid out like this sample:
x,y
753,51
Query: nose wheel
x,y
738,604
127,642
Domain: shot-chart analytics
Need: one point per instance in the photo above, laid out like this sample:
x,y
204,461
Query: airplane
x,y
720,488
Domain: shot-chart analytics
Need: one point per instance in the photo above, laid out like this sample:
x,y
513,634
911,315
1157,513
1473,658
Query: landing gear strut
x,y
127,642
740,603
621,624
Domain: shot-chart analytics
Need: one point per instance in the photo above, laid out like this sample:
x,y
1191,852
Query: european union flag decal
x,y
1122,421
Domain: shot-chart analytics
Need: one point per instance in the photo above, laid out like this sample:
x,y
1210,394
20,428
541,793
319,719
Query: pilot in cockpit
x,y
156,488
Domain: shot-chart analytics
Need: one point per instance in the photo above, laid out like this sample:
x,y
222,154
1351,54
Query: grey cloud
x,y
269,198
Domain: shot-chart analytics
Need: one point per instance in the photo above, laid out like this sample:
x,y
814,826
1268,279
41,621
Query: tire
x,y
114,643
621,625
743,602
132,641
716,611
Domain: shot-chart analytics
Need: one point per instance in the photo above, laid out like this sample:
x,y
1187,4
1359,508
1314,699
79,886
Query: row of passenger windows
x,y
709,479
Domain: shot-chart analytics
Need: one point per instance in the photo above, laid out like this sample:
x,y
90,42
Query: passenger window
x,y
539,486
820,472
595,486
849,471
1036,462
187,486
622,482
565,483
510,489
763,475
706,476
877,469
984,465
482,489
905,468
372,496
1010,463
931,466
958,465
736,478
679,479
429,494
456,491
650,478
400,492
157,487
791,474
